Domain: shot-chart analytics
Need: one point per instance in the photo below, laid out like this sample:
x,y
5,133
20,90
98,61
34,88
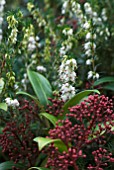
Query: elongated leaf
x,y
109,87
51,118
27,94
42,142
61,146
1,85
3,106
8,165
41,86
77,98
103,80
39,168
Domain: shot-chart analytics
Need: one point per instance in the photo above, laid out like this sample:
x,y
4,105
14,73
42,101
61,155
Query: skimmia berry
x,y
84,131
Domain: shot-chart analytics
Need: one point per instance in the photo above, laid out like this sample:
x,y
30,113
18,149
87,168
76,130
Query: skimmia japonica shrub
x,y
17,137
85,131
55,108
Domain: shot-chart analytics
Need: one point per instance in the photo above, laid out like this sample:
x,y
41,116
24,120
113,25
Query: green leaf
x,y
76,99
3,106
42,142
1,85
51,118
109,87
27,94
41,86
8,165
93,136
39,168
103,80
60,145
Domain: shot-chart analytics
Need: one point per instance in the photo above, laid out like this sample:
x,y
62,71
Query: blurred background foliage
x,y
106,50
51,12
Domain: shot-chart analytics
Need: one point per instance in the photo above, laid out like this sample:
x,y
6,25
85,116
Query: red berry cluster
x,y
63,160
55,108
101,157
84,130
17,137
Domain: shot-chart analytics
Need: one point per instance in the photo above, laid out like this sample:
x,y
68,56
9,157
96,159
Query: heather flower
x,y
31,44
67,31
2,3
90,74
64,6
10,102
93,75
88,62
86,25
67,76
103,14
67,91
41,69
88,36
13,36
88,8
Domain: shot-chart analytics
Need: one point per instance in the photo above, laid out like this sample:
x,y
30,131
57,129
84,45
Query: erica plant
x,y
85,133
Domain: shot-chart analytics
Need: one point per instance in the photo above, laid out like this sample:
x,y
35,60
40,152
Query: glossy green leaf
x,y
60,145
39,168
41,86
77,98
8,165
50,117
1,85
42,142
3,106
103,80
109,87
27,94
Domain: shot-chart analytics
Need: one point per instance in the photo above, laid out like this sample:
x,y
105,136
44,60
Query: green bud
x,y
20,14
30,6
11,21
12,79
8,75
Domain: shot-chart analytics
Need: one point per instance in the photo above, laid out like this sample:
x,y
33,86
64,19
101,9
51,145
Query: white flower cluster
x,y
68,31
36,14
64,6
12,23
41,69
24,81
67,76
93,75
77,11
97,21
67,44
31,47
2,3
10,102
94,15
89,46
93,25
13,36
98,27
31,43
